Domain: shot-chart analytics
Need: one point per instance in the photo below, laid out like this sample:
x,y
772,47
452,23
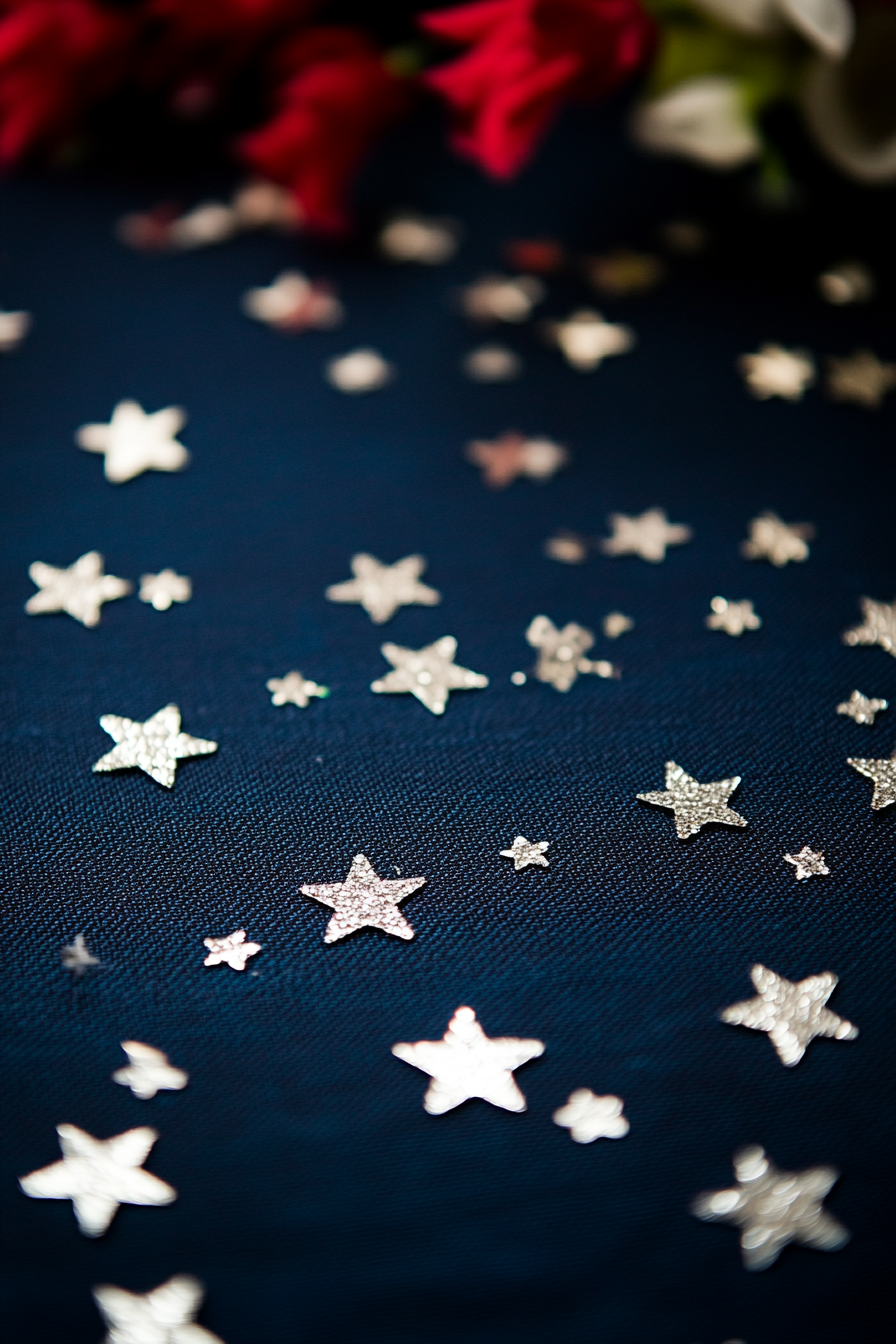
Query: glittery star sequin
x,y
695,804
774,1208
647,534
776,372
492,364
848,282
861,378
294,689
429,673
792,1013
807,863
233,950
14,328
623,271
381,589
155,746
861,708
164,588
732,617
413,237
165,1315
772,539
148,1071
878,626
364,901
884,775
294,303
589,1117
133,441
362,370
616,624
560,653
99,1174
527,852
511,455
466,1063
77,957
498,298
586,339
79,590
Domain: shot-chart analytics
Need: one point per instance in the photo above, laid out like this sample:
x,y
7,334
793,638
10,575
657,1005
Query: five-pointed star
x,y
466,1063
861,708
774,1208
884,775
695,804
772,539
79,590
77,956
164,588
878,626
155,746
134,442
586,339
429,673
148,1071
807,863
589,1117
381,589
294,689
732,617
646,535
166,1315
560,653
234,950
292,302
776,372
793,1013
525,852
861,378
511,455
364,901
99,1174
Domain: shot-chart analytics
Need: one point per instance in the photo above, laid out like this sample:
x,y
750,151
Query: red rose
x,y
526,57
339,96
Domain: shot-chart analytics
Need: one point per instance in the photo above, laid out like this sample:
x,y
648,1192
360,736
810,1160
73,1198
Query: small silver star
x,y
861,378
878,626
429,673
586,339
294,689
155,746
646,535
79,590
232,950
525,852
361,370
732,617
793,1013
77,956
294,303
381,589
148,1071
133,442
776,372
166,1315
861,708
695,804
13,329
164,588
616,624
807,863
466,1063
772,539
560,653
589,1117
364,901
498,298
884,775
99,1174
774,1208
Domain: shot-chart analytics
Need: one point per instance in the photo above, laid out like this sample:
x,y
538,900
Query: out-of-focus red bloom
x,y
527,56
339,96
56,58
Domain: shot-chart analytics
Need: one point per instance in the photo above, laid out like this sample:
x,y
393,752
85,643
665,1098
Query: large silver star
x,y
861,707
364,901
793,1014
884,775
560,653
429,673
860,377
382,589
646,535
155,746
695,804
466,1063
774,1208
165,1315
525,852
133,441
878,626
774,371
99,1174
79,590
772,539
148,1071
294,689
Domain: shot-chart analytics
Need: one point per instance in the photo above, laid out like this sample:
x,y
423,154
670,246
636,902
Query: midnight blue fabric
x,y
317,1201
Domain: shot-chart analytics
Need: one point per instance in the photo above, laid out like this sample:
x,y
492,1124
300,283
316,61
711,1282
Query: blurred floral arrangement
x,y
314,92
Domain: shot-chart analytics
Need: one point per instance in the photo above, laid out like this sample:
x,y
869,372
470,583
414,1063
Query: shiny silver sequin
x,y
861,708
884,775
695,804
732,617
165,1315
134,441
381,589
80,590
155,747
148,1071
560,653
776,372
294,689
232,951
589,1117
364,901
878,625
807,863
466,1063
526,852
772,539
647,535
429,673
792,1013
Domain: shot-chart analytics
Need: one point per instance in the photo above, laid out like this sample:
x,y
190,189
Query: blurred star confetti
x,y
134,441
381,589
429,673
732,617
148,1071
646,535
623,272
499,298
793,1013
362,370
77,957
413,237
466,1063
164,588
14,327
165,1315
772,539
861,378
589,1117
586,339
560,653
878,625
511,455
492,364
615,623
293,303
774,371
294,689
860,708
80,590
847,282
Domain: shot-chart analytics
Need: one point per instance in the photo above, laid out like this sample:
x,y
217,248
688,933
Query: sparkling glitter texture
x,y
527,852
792,1014
233,950
154,747
861,708
884,775
166,1315
364,901
429,673
148,1071
807,864
774,540
878,625
80,590
466,1063
560,653
695,804
589,1117
381,589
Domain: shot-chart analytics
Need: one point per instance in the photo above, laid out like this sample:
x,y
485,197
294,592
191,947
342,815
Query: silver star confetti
x,y
429,673
772,539
695,804
776,372
294,689
413,237
77,957
364,901
293,303
527,852
511,455
884,775
878,626
732,617
616,624
79,590
155,746
774,1208
232,951
164,588
588,1117
466,1063
148,1071
381,589
133,441
362,370
14,328
497,298
807,864
492,364
860,708
99,1174
646,535
792,1014
166,1315
560,653
861,378
586,340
